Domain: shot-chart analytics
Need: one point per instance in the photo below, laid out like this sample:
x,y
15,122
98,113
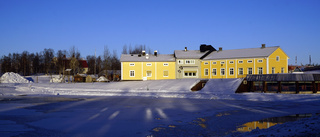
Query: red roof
x,y
83,63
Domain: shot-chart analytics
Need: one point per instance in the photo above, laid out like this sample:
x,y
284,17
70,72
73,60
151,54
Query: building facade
x,y
206,63
147,67
241,62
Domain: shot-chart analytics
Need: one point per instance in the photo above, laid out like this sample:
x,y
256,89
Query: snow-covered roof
x,y
242,53
189,54
147,58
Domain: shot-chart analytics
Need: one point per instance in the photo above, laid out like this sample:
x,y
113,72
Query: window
x,y
214,63
222,62
222,71
230,62
149,64
165,64
231,71
206,72
214,72
131,64
149,74
277,58
240,71
260,61
240,61
131,73
273,70
190,61
165,73
249,70
282,70
206,63
190,73
260,70
180,61
249,61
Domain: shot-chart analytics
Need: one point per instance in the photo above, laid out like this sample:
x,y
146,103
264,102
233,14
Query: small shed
x,y
91,78
80,78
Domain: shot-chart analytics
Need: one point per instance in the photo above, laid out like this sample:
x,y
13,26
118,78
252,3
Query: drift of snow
x,y
58,79
102,79
11,77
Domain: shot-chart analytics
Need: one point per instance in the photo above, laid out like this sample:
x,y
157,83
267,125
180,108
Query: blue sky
x,y
164,25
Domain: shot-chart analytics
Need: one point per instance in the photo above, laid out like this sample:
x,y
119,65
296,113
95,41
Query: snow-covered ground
x,y
170,106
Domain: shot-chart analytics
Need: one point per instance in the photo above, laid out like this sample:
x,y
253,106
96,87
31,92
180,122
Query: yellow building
x,y
240,62
147,67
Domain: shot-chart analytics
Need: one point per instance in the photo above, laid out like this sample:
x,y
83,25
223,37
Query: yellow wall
x,y
282,63
267,64
141,68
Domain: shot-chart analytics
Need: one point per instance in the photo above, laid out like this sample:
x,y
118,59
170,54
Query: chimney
x,y
143,52
155,53
220,48
147,56
263,46
185,49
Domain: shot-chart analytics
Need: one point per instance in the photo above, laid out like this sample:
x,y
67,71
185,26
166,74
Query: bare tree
x,y
124,50
48,56
106,58
74,52
74,65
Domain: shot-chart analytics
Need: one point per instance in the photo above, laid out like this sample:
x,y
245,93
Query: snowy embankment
x,y
214,89
11,77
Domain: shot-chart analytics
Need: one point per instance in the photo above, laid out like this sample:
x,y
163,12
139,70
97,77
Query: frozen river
x,y
136,116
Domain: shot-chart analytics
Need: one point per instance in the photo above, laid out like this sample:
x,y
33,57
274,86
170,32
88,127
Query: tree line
x,y
50,62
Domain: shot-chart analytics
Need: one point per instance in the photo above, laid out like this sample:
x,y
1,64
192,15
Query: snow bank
x,y
58,79
11,77
221,86
102,79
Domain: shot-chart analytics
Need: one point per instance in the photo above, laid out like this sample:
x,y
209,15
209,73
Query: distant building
x,y
147,67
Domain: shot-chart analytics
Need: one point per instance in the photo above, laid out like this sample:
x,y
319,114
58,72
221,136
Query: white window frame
x,y
214,63
131,64
190,62
277,58
249,61
222,62
240,61
214,74
273,70
165,71
206,63
149,64
165,64
282,70
180,61
190,72
231,70
260,69
231,62
260,61
240,71
250,71
133,73
206,72
150,73
224,71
